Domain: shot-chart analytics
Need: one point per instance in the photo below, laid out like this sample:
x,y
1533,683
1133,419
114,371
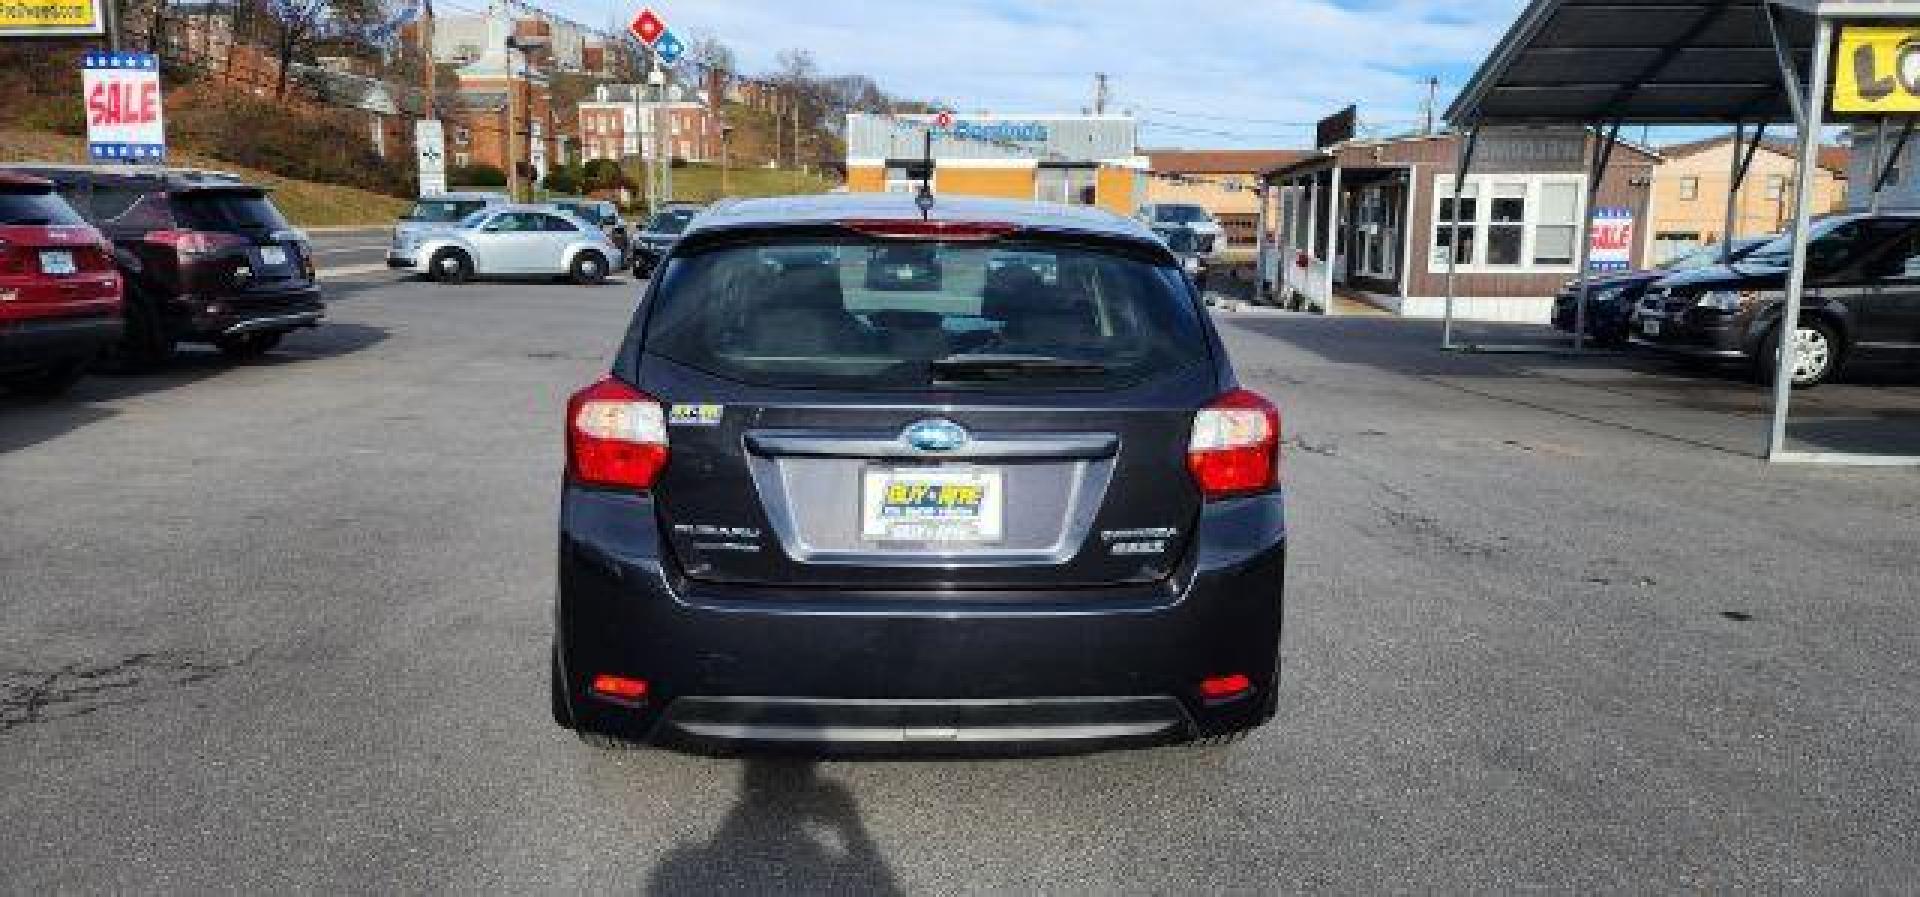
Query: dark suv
x,y
1862,301
1613,298
206,257
864,481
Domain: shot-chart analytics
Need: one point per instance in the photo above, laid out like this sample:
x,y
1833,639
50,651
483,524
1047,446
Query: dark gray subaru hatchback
x,y
979,480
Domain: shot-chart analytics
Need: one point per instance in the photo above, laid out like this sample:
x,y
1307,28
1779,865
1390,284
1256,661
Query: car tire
x,y
588,268
247,346
48,382
1821,355
450,266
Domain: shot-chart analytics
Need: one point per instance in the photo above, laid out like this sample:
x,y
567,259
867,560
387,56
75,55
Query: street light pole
x,y
513,143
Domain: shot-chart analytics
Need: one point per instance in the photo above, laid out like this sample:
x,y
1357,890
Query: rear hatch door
x,y
854,411
52,263
267,254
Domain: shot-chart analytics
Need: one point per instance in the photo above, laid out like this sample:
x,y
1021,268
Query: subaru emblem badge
x,y
935,435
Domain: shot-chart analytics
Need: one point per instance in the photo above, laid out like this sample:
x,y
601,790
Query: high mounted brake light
x,y
890,229
616,436
1235,446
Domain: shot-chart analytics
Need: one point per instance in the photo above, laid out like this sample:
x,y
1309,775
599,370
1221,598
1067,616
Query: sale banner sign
x,y
1612,246
122,96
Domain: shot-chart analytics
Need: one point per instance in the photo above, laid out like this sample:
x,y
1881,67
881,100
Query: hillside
x,y
701,183
305,203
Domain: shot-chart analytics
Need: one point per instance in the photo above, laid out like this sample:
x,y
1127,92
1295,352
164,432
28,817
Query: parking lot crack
x,y
75,689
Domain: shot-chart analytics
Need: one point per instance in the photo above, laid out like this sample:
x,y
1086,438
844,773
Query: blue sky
x,y
1224,73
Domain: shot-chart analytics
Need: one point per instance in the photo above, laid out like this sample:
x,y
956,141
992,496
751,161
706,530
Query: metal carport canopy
x,y
1676,62
1652,62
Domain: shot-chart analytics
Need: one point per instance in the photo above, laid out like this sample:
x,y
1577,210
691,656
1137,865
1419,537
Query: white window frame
x,y
1482,187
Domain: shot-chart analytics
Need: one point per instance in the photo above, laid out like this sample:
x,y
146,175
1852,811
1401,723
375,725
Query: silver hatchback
x,y
513,241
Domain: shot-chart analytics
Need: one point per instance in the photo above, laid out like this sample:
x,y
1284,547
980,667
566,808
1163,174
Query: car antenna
x,y
925,198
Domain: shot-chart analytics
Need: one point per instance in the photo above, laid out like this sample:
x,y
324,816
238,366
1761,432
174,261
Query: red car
x,y
59,289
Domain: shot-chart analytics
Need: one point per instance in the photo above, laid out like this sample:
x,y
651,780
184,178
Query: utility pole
x,y
513,147
427,79
1099,93
110,15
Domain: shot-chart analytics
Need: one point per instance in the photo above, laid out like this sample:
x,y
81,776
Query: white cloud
x,y
1216,66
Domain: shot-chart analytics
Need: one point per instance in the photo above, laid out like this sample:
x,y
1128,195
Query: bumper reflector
x,y
620,688
1232,685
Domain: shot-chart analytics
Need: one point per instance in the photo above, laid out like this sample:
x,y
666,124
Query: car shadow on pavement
x,y
25,421
1707,406
789,831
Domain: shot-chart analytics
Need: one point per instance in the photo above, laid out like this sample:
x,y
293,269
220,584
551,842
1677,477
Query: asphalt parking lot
x,y
284,626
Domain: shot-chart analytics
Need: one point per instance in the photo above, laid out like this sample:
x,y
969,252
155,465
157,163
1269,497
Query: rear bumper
x,y
36,343
923,672
217,316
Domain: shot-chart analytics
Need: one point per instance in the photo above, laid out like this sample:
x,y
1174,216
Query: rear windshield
x,y
35,207
444,211
671,222
226,210
1179,214
862,313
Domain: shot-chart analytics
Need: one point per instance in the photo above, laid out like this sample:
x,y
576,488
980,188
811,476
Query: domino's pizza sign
x,y
122,94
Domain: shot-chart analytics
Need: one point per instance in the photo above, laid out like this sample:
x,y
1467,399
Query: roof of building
x,y
1831,157
1220,161
1326,156
781,211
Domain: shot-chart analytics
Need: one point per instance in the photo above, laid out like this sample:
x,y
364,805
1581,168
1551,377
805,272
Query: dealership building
x,y
1077,159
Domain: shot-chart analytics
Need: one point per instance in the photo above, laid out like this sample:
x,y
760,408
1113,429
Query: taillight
x,y
1235,447
196,242
616,436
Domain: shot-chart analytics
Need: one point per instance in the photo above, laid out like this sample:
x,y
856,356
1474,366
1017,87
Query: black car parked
x,y
1612,299
666,225
864,481
1862,301
206,257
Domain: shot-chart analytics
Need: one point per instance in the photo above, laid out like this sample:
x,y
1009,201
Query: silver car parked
x,y
513,241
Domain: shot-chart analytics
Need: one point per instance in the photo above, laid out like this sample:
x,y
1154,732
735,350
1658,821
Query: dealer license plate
x,y
273,255
57,261
931,504
1650,326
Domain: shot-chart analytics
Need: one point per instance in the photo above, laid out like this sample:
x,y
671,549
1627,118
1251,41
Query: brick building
x,y
613,126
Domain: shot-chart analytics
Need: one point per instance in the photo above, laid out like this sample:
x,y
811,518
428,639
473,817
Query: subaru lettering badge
x,y
935,436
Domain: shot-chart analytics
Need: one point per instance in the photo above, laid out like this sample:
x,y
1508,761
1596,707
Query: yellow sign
x,y
44,18
1876,71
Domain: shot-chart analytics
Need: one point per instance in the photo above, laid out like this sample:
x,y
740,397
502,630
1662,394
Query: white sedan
x,y
511,241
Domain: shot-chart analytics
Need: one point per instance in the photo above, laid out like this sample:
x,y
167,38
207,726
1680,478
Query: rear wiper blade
x,y
988,366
